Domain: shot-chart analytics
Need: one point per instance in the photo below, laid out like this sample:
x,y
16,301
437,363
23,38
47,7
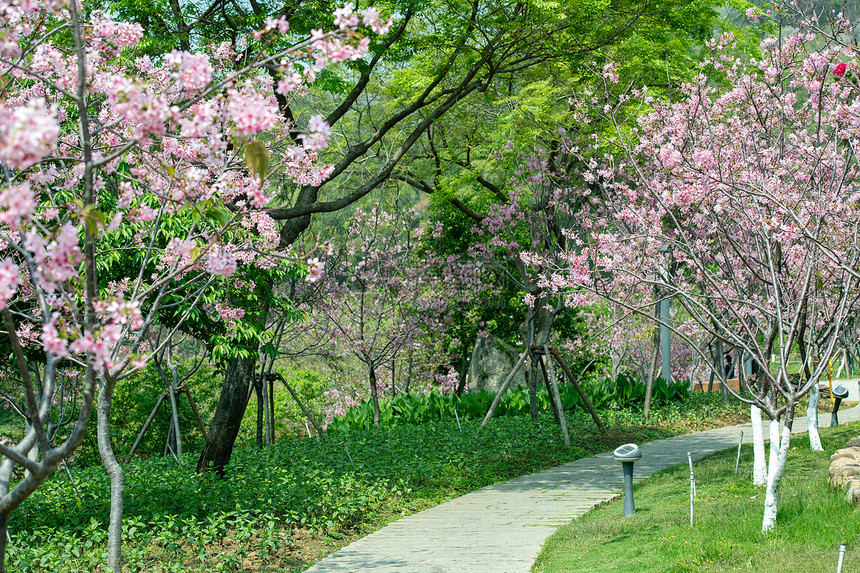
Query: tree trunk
x,y
774,447
552,402
270,410
652,374
716,364
374,394
4,529
812,420
114,470
759,464
175,413
228,415
721,366
774,479
261,404
32,453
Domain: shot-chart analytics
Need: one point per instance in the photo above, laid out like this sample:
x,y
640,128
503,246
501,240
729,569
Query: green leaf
x,y
257,159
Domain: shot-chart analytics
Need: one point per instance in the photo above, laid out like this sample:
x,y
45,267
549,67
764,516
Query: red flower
x,y
839,70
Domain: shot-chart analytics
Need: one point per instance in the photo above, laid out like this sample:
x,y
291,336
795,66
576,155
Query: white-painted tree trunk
x,y
812,420
759,463
774,479
774,447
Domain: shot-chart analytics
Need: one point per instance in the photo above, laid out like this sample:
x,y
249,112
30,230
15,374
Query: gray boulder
x,y
492,361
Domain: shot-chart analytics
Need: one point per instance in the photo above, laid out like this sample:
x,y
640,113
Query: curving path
x,y
501,528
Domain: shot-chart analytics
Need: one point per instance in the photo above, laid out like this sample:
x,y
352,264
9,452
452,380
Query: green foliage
x,y
134,399
176,520
416,408
308,385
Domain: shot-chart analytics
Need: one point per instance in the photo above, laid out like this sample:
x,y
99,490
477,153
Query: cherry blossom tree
x,y
386,294
104,154
739,204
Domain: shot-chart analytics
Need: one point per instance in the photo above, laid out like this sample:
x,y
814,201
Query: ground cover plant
x,y
285,506
621,393
813,521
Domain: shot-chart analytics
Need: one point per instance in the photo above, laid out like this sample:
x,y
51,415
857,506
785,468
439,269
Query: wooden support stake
x,y
146,426
196,413
582,395
305,411
504,387
557,397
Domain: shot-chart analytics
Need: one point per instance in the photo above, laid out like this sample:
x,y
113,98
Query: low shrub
x,y
419,407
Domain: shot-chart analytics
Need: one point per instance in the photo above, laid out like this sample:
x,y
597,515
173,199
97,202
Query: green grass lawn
x,y
812,522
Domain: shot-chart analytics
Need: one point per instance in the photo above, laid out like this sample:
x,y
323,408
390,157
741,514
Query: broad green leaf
x,y
257,159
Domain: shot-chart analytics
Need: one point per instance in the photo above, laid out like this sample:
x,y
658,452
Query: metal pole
x,y
692,487
665,340
738,461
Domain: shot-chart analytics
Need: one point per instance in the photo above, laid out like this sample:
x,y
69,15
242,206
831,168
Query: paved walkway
x,y
502,527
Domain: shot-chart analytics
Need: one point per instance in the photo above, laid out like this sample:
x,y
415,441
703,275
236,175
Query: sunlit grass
x,y
813,521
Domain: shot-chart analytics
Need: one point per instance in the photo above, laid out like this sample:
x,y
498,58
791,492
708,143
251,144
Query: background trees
x,y
741,206
164,173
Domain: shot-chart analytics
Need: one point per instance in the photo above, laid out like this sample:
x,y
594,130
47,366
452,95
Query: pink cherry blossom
x,y
317,135
251,112
27,134
17,203
221,264
10,280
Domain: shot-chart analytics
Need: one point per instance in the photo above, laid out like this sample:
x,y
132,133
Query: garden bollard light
x,y
627,455
841,558
839,393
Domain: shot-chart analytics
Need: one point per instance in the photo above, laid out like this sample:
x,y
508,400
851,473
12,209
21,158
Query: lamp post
x,y
839,393
627,455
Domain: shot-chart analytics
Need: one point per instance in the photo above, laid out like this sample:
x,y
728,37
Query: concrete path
x,y
502,527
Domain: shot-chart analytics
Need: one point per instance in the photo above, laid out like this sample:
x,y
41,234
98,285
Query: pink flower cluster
x,y
317,135
10,280
27,134
17,203
251,112
120,312
192,71
315,270
346,18
221,264
57,259
117,35
229,315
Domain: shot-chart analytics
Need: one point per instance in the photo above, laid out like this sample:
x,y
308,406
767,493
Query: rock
x,y
844,471
854,442
847,453
492,361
